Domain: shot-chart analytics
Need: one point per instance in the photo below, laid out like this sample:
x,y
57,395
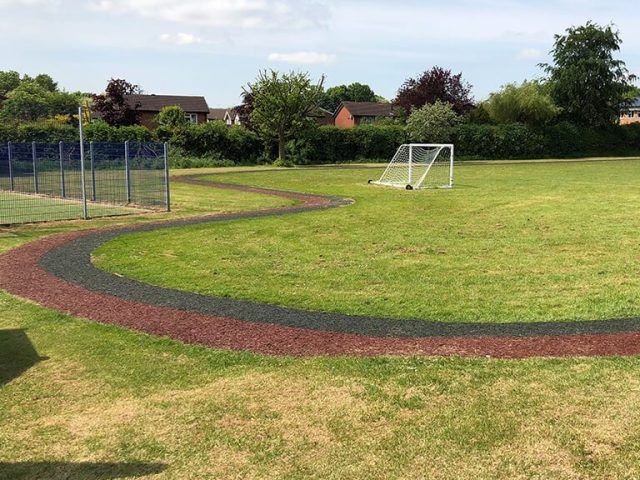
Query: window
x,y
191,117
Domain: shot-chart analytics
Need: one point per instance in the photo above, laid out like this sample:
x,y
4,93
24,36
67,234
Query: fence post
x,y
35,168
127,170
167,193
11,185
83,180
62,182
93,173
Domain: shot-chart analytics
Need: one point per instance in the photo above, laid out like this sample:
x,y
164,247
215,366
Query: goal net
x,y
420,166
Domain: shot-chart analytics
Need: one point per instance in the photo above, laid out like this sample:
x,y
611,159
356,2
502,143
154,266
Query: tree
x,y
432,123
433,85
8,81
529,103
113,106
587,82
355,92
172,117
282,104
27,102
46,82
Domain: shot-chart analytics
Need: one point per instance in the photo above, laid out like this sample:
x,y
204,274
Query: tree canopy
x,y
587,82
282,104
27,99
355,92
434,85
112,105
529,103
432,123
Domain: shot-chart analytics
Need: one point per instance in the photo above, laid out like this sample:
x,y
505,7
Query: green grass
x,y
516,242
103,394
22,208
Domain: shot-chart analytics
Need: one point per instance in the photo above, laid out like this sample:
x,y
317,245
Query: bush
x,y
433,123
335,145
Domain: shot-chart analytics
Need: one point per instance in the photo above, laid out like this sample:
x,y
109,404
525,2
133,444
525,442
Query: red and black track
x,y
57,272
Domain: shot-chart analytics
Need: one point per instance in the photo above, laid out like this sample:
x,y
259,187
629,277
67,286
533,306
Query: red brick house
x,y
352,114
195,108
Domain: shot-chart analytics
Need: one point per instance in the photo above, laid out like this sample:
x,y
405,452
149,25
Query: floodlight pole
x,y
85,214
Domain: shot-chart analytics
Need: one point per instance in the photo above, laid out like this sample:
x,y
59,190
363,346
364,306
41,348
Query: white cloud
x,y
529,54
234,14
307,58
28,3
180,38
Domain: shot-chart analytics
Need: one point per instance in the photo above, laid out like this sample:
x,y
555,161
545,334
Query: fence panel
x,y
43,182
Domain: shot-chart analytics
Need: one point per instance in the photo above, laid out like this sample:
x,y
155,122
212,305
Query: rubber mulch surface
x,y
57,272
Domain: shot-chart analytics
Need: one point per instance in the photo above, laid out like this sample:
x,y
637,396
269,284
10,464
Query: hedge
x,y
216,144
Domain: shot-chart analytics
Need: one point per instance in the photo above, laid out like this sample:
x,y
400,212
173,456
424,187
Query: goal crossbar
x,y
420,165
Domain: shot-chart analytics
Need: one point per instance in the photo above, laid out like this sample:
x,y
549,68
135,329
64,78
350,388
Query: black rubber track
x,y
72,263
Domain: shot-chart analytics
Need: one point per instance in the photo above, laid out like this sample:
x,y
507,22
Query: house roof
x,y
321,113
155,103
217,113
633,103
367,109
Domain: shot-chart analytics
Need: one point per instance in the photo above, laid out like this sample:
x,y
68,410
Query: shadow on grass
x,y
77,471
17,355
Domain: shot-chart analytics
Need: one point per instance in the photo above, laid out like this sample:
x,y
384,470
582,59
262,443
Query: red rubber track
x,y
22,275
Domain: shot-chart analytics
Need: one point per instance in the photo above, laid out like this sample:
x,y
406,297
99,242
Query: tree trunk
x,y
281,146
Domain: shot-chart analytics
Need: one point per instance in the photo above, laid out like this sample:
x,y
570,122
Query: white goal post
x,y
420,165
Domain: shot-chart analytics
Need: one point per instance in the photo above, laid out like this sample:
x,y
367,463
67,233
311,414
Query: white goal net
x,y
420,166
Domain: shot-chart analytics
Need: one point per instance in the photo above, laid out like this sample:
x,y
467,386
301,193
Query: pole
x,y
62,182
451,169
35,168
167,193
11,185
93,173
127,170
410,163
85,213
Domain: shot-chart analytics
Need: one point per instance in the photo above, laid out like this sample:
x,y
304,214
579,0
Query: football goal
x,y
420,165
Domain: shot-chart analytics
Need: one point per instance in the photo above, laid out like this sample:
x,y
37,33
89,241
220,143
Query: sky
x,y
214,47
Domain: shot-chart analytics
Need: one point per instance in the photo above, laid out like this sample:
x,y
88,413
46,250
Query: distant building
x,y
195,109
631,112
227,115
322,116
352,114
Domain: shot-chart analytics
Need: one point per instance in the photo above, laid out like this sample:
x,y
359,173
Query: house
x,y
227,115
322,116
149,106
352,114
631,112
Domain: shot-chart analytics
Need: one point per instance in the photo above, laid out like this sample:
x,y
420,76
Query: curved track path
x,y
57,272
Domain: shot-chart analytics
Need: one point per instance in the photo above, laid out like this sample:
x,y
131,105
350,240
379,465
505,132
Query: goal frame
x,y
411,185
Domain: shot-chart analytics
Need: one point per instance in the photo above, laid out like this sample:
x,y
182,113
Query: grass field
x,y
85,401
22,208
520,242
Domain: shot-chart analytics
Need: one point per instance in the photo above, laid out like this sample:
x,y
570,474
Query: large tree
x,y
31,101
355,92
9,80
113,106
434,85
282,104
587,82
528,103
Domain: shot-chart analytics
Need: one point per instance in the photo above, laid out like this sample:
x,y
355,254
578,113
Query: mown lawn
x,y
514,242
80,400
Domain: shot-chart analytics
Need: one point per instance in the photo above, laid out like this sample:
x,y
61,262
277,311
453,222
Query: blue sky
x,y
213,47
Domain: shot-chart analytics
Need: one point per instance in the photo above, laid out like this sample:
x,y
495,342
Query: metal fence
x,y
45,182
